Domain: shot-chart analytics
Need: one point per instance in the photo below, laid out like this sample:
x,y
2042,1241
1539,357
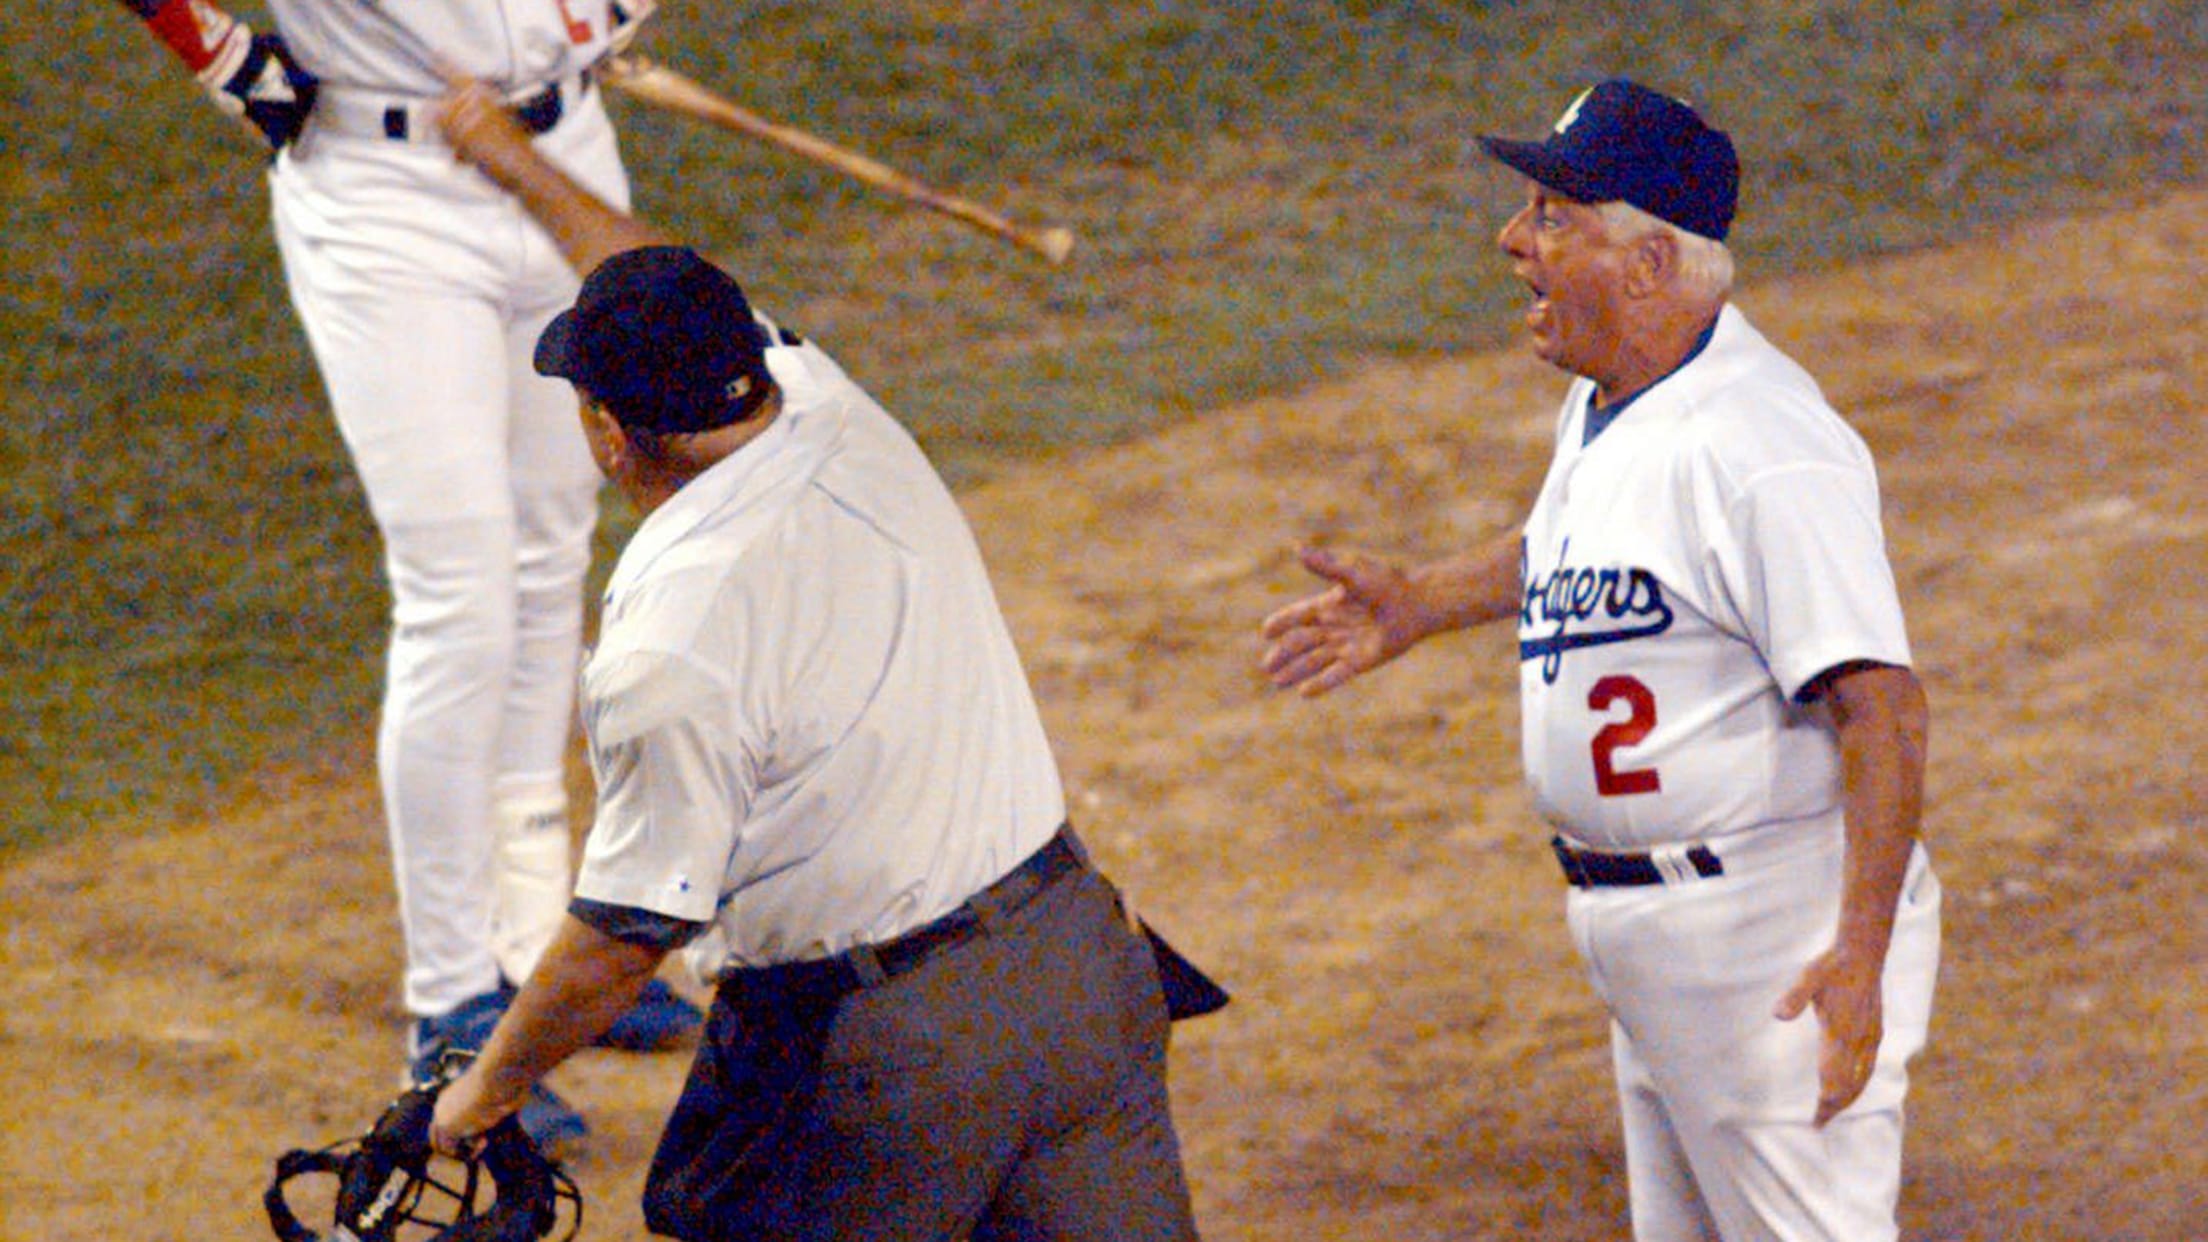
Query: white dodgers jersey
x,y
1684,577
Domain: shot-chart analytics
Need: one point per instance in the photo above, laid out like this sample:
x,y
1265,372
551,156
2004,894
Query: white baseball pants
x,y
1717,1095
422,289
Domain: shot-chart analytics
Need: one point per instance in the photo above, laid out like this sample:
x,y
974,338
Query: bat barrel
x,y
660,86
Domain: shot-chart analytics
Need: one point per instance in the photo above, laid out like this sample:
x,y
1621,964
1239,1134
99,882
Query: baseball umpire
x,y
1719,716
422,289
821,770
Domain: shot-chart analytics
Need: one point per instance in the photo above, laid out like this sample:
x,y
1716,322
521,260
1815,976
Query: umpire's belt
x,y
1671,864
357,113
871,964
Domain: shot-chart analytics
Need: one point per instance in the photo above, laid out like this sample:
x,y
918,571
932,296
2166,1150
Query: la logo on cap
x,y
1620,141
1571,114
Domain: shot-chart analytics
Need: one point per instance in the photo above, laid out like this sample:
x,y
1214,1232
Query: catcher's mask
x,y
386,1179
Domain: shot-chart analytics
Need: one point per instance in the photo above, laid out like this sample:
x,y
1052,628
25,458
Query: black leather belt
x,y
1603,869
870,965
538,112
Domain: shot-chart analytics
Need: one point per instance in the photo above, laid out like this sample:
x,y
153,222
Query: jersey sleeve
x,y
1805,561
672,790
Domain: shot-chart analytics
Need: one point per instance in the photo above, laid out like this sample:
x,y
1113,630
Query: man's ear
x,y
1652,264
607,436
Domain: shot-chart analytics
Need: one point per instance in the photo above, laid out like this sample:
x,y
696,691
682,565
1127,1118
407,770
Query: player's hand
x,y
1851,1012
629,17
1366,618
483,131
254,79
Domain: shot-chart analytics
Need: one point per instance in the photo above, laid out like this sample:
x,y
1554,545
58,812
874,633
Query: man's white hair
x,y
1705,264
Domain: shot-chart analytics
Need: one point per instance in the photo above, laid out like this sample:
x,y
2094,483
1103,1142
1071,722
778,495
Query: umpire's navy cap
x,y
664,340
1622,141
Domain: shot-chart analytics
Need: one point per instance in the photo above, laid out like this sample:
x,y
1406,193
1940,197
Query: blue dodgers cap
x,y
1622,141
664,340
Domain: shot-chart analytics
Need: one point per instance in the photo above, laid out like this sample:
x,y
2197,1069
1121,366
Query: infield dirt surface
x,y
1412,1053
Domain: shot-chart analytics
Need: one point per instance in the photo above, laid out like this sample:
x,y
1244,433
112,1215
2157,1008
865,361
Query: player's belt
x,y
1586,868
869,965
373,114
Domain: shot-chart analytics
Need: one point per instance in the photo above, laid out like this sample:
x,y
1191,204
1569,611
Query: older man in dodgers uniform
x,y
1719,716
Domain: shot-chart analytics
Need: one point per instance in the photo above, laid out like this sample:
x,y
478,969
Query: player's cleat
x,y
660,1019
555,1125
465,1028
558,1129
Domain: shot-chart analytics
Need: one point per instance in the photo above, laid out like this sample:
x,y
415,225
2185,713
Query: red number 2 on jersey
x,y
1609,782
578,30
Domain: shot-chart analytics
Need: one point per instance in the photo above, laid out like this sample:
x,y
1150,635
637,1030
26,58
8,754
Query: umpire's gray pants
x,y
1011,1086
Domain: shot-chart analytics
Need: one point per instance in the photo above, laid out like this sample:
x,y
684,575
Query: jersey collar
x,y
747,483
1599,418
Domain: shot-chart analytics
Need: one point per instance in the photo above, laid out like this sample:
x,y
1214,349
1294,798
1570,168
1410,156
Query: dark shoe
x,y
464,1029
558,1129
555,1125
660,1019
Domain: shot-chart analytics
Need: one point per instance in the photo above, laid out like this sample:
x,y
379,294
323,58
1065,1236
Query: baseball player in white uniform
x,y
422,289
1719,717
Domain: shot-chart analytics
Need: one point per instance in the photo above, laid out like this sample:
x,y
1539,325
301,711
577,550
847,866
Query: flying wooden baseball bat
x,y
656,84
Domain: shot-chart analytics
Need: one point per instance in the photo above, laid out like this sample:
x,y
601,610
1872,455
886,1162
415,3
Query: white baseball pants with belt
x,y
1717,1095
422,289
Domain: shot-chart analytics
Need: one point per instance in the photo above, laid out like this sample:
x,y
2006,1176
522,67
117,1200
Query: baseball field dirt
x,y
1412,1053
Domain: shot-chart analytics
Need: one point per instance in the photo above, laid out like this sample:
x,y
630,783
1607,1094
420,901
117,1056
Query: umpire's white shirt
x,y
806,717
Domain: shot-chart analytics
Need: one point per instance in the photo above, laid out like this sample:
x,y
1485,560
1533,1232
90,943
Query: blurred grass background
x,y
1267,195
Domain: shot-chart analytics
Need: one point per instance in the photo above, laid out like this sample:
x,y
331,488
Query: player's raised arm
x,y
250,77
1377,609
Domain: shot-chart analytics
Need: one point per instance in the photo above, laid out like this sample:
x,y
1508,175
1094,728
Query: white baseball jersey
x,y
807,718
394,45
1685,575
